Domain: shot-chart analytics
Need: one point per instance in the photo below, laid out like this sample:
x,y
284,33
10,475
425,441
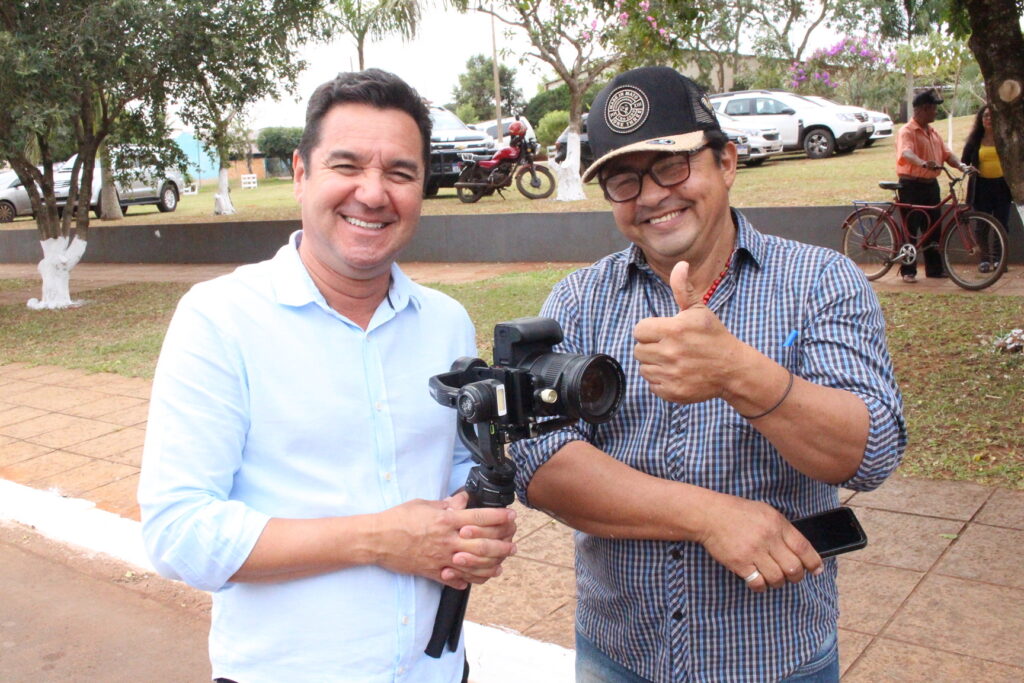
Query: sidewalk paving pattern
x,y
937,595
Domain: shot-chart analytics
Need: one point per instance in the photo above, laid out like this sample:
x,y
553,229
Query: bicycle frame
x,y
899,214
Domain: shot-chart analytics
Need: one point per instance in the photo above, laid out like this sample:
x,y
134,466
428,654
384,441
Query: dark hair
x,y
977,130
374,87
716,140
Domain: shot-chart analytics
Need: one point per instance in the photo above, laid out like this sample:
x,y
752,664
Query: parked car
x,y
738,137
817,129
491,128
449,139
881,120
14,199
762,143
883,127
141,185
586,154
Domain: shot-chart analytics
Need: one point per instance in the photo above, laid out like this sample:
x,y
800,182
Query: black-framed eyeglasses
x,y
623,185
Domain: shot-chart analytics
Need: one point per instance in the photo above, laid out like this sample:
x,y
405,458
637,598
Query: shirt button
x,y
677,615
676,555
387,476
405,621
379,406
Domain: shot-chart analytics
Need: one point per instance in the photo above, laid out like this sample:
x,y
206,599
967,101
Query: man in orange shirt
x,y
920,153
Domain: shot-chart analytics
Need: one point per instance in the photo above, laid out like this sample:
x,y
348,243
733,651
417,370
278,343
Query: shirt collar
x,y
293,285
748,241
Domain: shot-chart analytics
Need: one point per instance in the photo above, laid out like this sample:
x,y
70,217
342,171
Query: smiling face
x,y
690,221
361,192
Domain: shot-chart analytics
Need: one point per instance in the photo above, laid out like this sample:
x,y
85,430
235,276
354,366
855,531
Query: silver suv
x,y
141,185
818,129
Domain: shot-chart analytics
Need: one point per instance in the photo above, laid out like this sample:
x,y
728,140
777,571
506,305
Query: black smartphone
x,y
832,532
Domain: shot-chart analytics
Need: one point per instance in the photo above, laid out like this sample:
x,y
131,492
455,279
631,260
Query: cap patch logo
x,y
627,109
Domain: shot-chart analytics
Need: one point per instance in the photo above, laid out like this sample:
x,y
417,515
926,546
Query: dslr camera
x,y
528,382
529,391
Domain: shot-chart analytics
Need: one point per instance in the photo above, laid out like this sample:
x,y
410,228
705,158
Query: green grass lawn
x,y
788,180
962,399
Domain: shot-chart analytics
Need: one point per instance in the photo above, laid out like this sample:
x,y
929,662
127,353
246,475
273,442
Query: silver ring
x,y
753,576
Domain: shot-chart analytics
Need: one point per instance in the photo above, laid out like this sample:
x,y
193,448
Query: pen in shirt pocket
x,y
790,340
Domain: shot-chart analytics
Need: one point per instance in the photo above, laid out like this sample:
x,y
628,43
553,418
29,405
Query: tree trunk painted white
x,y
222,205
567,173
1020,210
60,255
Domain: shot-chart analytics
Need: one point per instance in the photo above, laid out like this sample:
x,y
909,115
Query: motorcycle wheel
x,y
535,182
473,174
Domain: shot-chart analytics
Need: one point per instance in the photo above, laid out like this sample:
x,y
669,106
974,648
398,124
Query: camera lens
x,y
589,387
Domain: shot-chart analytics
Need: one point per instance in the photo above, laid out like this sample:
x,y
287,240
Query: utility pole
x,y
497,83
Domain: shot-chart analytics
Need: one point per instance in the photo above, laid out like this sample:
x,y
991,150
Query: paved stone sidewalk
x,y
938,594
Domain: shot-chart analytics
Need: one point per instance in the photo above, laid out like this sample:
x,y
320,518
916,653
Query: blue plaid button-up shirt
x,y
668,610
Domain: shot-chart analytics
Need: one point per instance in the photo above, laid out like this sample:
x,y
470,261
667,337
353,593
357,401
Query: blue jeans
x,y
594,666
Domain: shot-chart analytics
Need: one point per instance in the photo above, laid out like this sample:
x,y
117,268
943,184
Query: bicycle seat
x,y
890,185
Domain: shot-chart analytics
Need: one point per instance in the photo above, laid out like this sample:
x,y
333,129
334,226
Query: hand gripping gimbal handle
x,y
486,488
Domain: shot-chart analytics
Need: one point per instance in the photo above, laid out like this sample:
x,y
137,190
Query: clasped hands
x,y
444,541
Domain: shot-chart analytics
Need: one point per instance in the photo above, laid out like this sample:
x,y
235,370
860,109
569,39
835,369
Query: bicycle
x,y
973,244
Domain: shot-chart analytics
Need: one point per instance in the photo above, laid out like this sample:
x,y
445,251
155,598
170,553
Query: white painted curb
x,y
495,655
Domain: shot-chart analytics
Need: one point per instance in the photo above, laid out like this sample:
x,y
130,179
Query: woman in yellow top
x,y
987,191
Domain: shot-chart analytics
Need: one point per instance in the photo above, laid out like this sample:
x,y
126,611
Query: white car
x,y
883,127
816,128
881,120
14,199
762,143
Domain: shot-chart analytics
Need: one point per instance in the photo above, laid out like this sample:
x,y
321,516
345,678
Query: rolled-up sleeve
x,y
195,436
845,348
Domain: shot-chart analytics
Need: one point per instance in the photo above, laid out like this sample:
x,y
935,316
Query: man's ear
x,y
729,163
299,170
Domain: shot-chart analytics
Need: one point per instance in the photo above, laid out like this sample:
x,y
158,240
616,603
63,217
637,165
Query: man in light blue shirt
x,y
295,464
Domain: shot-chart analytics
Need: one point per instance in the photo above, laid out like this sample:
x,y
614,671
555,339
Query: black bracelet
x,y
785,393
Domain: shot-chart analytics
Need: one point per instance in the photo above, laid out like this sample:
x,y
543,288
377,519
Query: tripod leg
x,y
448,623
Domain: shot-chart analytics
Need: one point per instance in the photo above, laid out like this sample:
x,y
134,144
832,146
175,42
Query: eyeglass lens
x,y
669,171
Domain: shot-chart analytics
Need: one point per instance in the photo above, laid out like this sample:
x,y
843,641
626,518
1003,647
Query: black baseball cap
x,y
927,97
653,108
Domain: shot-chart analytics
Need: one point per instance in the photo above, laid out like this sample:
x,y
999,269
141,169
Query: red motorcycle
x,y
482,177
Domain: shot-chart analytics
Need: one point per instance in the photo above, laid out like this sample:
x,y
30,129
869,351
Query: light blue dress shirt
x,y
268,403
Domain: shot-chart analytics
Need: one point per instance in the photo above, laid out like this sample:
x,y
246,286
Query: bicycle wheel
x,y
974,250
869,240
535,182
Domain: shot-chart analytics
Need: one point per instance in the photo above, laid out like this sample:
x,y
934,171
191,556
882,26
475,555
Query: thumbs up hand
x,y
689,357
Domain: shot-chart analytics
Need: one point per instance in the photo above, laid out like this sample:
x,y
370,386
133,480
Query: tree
x,y
233,53
994,27
280,142
103,64
557,99
376,20
578,42
476,87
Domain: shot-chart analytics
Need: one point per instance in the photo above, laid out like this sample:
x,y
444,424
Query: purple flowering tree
x,y
855,70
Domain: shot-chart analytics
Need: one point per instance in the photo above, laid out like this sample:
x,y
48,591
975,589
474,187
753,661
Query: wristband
x,y
785,394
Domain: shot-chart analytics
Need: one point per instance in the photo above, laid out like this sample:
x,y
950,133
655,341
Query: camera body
x,y
529,381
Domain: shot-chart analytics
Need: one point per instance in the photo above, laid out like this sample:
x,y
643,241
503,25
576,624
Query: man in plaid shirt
x,y
758,382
